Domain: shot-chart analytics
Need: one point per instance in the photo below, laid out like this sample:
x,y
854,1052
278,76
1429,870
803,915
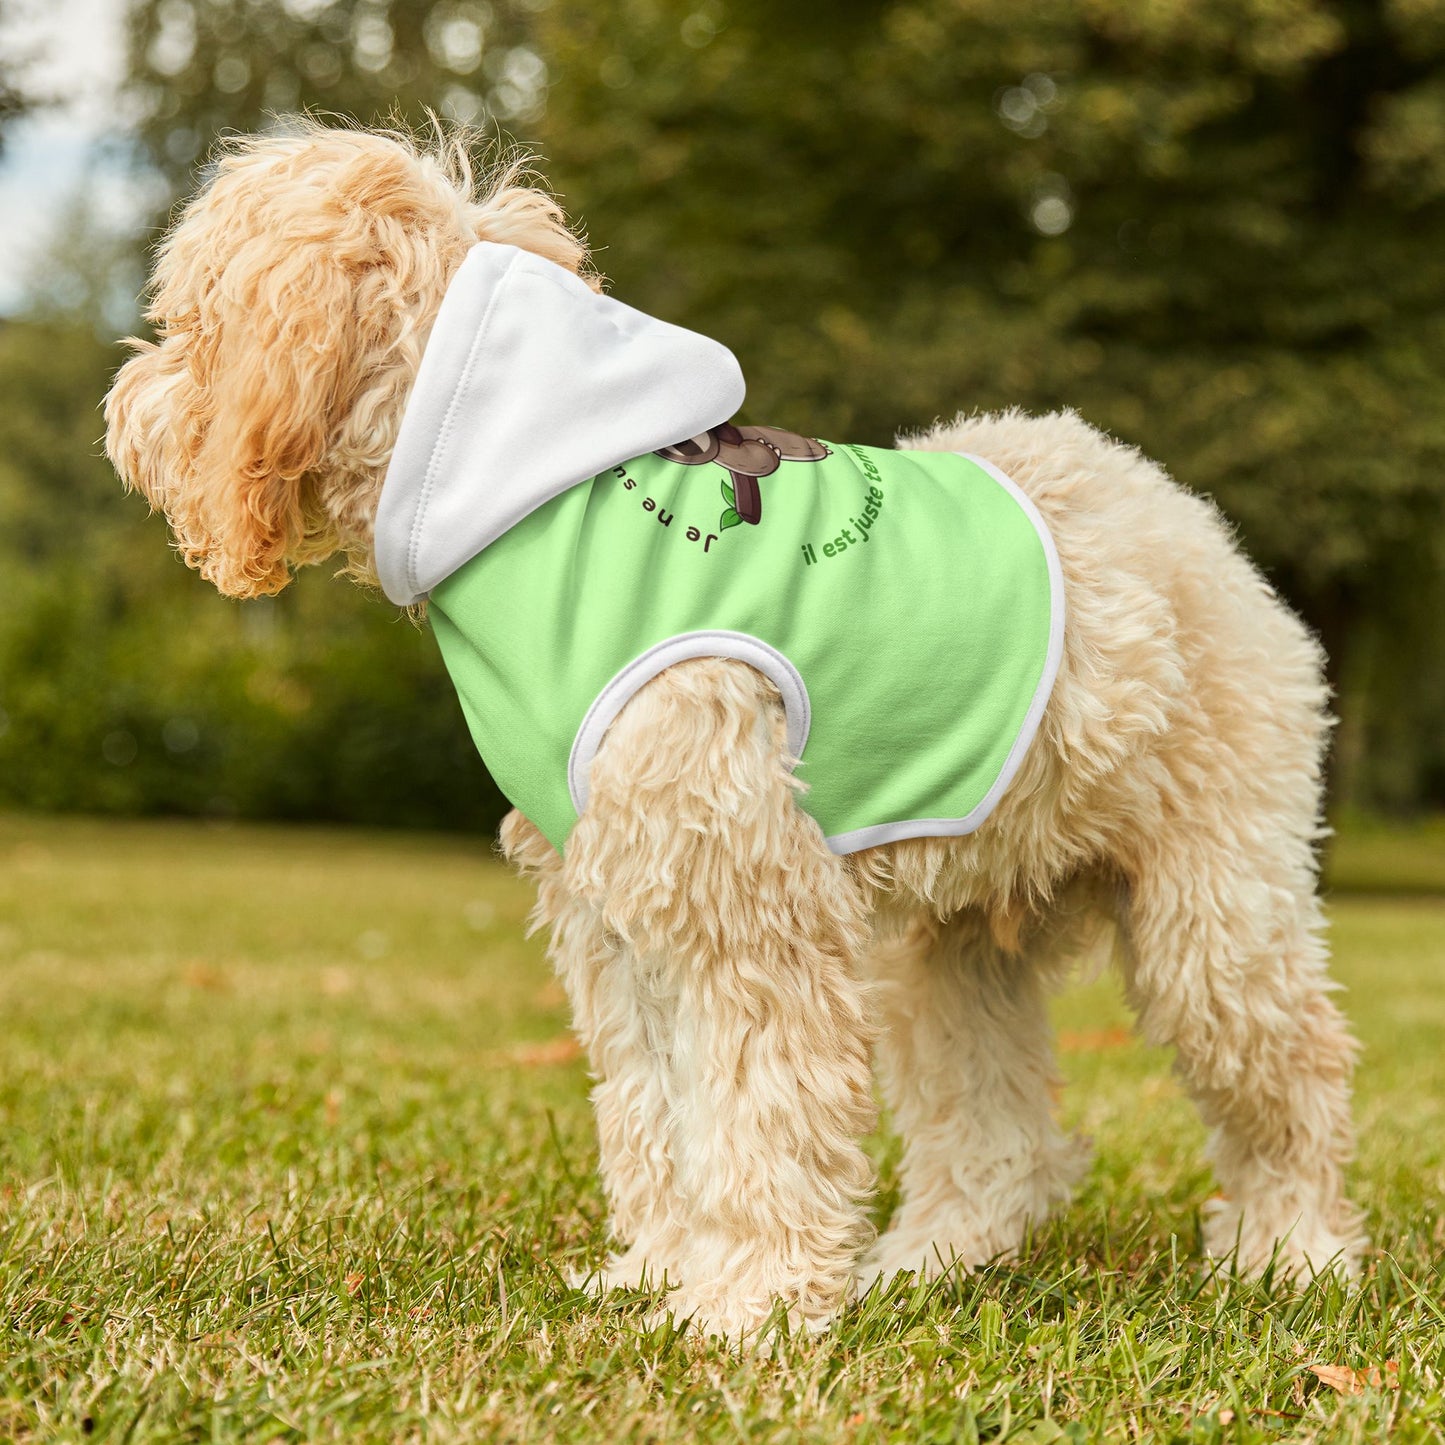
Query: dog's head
x,y
291,302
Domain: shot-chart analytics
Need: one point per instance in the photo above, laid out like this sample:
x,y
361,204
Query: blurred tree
x,y
202,67
127,685
1216,227
15,98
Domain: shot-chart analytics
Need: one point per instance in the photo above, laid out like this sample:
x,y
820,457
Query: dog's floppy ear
x,y
286,301
292,300
280,355
223,422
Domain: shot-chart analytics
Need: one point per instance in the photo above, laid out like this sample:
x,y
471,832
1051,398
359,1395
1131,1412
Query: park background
x,y
1216,230
294,1140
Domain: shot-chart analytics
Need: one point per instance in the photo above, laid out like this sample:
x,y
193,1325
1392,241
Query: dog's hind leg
x,y
966,1060
1224,950
1225,961
739,931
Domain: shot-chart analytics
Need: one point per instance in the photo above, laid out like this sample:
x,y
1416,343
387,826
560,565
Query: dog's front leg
x,y
731,937
624,1026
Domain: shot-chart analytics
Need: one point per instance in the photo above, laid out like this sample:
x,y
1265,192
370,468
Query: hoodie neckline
x,y
529,384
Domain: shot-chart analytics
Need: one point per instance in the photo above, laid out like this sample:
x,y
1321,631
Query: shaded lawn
x,y
292,1146
1373,856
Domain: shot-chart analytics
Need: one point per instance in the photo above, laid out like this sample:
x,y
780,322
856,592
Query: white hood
x,y
530,384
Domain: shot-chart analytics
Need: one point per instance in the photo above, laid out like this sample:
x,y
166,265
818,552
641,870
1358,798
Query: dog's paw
x,y
753,1324
632,1270
906,1253
958,1242
966,1227
1298,1245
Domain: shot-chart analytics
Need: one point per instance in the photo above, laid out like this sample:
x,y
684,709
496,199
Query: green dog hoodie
x,y
570,494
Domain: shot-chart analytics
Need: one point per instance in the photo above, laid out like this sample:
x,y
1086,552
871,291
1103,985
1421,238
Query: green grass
x,y
284,1154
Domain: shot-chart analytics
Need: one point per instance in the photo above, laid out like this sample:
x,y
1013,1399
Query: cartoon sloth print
x,y
745,453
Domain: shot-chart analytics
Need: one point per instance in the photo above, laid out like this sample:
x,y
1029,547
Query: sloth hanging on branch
x,y
745,453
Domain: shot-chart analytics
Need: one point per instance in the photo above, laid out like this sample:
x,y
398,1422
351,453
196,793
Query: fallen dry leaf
x,y
354,1283
335,982
1094,1042
551,995
560,1050
1347,1381
202,975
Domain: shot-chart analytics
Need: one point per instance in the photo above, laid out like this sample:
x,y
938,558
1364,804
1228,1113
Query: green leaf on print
x,y
729,519
732,501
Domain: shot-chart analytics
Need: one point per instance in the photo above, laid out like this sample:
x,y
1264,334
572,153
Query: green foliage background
x,y
1215,228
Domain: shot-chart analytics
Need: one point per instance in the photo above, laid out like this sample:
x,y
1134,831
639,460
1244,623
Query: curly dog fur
x,y
731,979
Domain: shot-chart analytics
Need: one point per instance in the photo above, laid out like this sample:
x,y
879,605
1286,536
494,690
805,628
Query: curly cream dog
x,y
730,975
